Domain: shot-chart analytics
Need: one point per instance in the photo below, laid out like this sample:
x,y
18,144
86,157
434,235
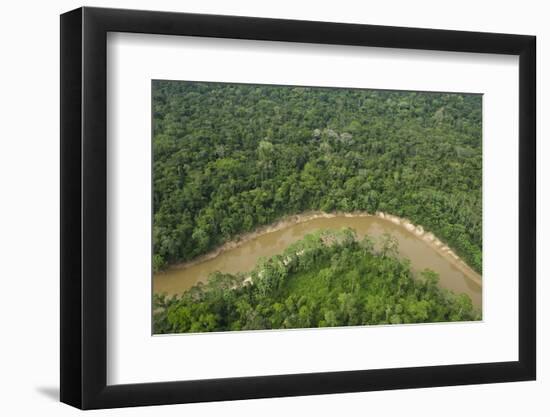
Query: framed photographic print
x,y
255,207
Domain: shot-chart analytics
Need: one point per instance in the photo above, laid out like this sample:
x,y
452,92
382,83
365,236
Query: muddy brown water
x,y
453,274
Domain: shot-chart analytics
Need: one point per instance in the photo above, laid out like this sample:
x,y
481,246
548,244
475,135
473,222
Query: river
x,y
453,273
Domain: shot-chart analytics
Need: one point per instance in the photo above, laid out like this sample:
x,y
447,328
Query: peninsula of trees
x,y
327,279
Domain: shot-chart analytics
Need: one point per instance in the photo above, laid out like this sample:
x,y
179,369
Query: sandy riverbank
x,y
288,221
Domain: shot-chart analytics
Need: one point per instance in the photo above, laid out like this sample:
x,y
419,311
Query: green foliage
x,y
327,279
228,158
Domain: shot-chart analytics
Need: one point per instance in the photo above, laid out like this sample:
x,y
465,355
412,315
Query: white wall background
x,y
29,225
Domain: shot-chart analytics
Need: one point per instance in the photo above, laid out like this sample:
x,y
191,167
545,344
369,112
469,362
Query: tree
x,y
265,158
389,245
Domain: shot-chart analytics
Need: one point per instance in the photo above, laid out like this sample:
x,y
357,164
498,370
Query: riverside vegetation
x,y
327,279
229,158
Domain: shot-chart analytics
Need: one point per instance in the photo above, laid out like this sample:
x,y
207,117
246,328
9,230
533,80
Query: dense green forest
x,y
228,158
327,279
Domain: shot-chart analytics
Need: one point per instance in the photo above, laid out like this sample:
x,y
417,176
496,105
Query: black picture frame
x,y
84,207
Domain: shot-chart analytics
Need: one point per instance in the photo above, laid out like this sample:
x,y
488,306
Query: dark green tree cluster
x,y
327,279
229,158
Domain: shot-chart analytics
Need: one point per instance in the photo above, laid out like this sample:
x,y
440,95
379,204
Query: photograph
x,y
290,207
